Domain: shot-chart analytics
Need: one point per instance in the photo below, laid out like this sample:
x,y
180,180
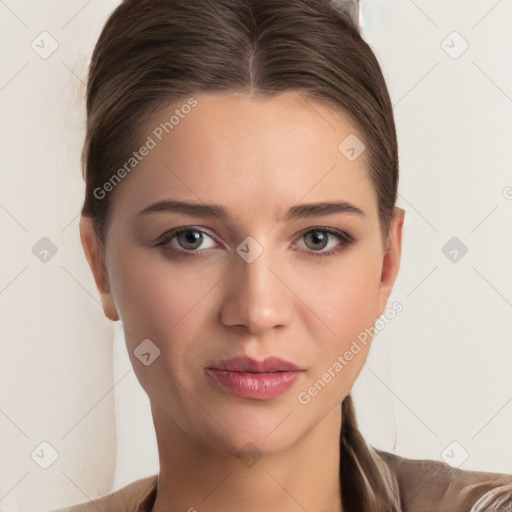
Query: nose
x,y
258,297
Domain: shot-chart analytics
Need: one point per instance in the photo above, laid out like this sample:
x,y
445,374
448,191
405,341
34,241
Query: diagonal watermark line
x,y
216,487
403,402
14,423
76,14
82,286
419,213
198,403
2,497
91,295
424,13
14,76
81,490
492,286
186,185
488,215
430,273
478,432
301,300
300,199
416,84
286,491
410,500
200,299
275,224
311,188
13,217
13,279
313,107
280,423
215,284
492,8
70,222
111,388
492,81
3,2
72,71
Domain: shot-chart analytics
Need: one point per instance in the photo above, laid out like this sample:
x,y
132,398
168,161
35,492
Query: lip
x,y
246,364
248,378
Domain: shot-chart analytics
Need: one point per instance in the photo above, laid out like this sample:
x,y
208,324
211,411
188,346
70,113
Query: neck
x,y
193,477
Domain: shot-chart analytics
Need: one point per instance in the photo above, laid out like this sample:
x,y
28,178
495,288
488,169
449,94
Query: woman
x,y
241,169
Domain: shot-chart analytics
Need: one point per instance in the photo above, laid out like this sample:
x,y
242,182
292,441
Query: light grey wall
x,y
447,64
439,372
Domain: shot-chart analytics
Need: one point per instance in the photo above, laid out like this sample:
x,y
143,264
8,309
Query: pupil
x,y
191,237
317,237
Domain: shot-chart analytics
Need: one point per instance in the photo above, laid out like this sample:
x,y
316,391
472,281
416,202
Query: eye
x,y
186,239
194,241
318,239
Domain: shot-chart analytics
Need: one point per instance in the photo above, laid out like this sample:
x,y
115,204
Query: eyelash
x,y
342,236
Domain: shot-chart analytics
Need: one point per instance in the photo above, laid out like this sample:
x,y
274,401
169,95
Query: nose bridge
x,y
257,297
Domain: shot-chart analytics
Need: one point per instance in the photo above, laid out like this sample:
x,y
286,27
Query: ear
x,y
95,254
392,256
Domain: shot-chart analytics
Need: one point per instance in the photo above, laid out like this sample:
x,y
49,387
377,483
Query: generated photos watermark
x,y
305,397
151,143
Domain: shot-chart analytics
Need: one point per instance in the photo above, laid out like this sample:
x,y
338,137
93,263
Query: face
x,y
270,277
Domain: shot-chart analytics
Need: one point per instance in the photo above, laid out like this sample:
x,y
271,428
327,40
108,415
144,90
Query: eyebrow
x,y
302,211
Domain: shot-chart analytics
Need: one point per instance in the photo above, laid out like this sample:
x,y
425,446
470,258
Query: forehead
x,y
251,153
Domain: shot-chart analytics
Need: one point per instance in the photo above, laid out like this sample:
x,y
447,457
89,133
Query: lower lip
x,y
259,386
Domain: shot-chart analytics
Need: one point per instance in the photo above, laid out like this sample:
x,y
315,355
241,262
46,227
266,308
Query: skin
x,y
257,157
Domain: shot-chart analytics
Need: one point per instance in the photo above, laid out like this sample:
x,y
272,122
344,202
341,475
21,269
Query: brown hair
x,y
367,482
155,53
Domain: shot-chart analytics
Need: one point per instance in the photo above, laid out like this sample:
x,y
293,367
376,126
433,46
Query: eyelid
x,y
333,231
344,238
164,239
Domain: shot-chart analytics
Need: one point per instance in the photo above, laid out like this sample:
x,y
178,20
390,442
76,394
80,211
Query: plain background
x,y
439,373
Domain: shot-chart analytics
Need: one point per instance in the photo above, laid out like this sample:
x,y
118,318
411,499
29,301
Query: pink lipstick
x,y
260,380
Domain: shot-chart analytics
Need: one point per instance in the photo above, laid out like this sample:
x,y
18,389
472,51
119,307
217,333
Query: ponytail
x,y
367,483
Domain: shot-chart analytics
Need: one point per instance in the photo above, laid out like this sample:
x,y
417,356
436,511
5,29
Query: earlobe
x,y
96,258
392,257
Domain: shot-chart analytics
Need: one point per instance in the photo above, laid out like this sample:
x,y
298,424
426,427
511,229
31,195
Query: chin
x,y
249,444
250,432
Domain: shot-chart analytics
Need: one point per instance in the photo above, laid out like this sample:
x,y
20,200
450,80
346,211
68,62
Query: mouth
x,y
259,380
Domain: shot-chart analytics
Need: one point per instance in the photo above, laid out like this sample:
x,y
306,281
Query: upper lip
x,y
245,364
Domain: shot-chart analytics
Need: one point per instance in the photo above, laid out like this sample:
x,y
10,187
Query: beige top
x,y
425,486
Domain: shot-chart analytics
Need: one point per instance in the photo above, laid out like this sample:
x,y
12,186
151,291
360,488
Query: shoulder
x,y
138,496
429,485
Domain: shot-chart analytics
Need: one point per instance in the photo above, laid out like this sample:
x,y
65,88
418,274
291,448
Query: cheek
x,y
348,306
346,297
167,305
154,297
